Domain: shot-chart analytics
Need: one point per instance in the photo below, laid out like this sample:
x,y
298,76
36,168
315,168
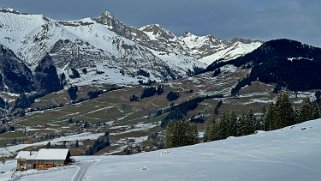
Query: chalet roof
x,y
27,155
44,154
52,154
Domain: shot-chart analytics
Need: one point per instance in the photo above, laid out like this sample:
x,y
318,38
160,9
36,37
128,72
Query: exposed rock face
x,y
46,76
15,75
114,24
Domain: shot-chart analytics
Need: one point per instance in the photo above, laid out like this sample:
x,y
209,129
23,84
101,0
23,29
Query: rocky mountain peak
x,y
9,10
243,40
151,27
107,18
191,36
187,34
157,31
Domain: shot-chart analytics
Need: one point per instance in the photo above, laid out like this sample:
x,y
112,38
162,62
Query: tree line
x,y
99,144
277,115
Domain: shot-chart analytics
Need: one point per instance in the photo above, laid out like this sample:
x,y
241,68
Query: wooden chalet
x,y
42,159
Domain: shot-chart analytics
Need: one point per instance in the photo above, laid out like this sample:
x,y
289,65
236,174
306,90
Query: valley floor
x,y
292,153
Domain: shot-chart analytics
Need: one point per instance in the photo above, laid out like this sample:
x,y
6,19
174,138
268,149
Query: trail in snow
x,y
83,167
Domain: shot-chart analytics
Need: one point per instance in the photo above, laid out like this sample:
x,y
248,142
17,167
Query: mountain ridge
x,y
110,51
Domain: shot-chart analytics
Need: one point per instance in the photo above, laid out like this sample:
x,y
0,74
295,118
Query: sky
x,y
225,19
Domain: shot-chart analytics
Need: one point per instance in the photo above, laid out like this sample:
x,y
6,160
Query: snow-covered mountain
x,y
104,50
205,49
235,49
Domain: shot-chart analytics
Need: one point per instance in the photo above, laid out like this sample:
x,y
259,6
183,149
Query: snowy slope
x,y
236,50
292,153
30,36
208,49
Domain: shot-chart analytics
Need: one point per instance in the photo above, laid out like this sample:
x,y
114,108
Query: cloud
x,y
263,19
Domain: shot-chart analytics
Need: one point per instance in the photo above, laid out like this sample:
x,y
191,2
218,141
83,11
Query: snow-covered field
x,y
292,153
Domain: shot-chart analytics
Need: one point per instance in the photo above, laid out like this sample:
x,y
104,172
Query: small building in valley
x,y
42,159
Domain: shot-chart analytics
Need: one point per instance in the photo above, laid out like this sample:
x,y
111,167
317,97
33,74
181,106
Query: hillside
x,y
286,63
135,122
291,153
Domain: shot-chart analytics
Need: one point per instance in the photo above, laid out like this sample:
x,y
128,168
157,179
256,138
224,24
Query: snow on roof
x,y
28,155
52,154
44,154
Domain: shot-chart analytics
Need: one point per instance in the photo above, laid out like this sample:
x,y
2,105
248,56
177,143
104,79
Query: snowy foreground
x,y
292,153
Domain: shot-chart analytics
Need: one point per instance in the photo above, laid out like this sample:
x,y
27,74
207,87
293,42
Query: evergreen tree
x,y
94,93
296,114
171,96
253,123
241,125
281,114
306,110
315,110
247,124
99,144
77,144
212,130
160,90
270,118
226,126
317,96
208,126
72,92
75,74
48,145
181,133
284,112
218,105
134,98
148,92
232,124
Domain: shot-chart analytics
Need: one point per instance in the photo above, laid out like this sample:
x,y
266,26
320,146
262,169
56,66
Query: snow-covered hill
x,y
236,50
292,153
110,51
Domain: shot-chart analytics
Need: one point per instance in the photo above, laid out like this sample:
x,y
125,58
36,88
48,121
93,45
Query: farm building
x,y
42,159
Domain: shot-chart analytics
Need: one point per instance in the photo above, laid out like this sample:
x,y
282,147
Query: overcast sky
x,y
226,19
